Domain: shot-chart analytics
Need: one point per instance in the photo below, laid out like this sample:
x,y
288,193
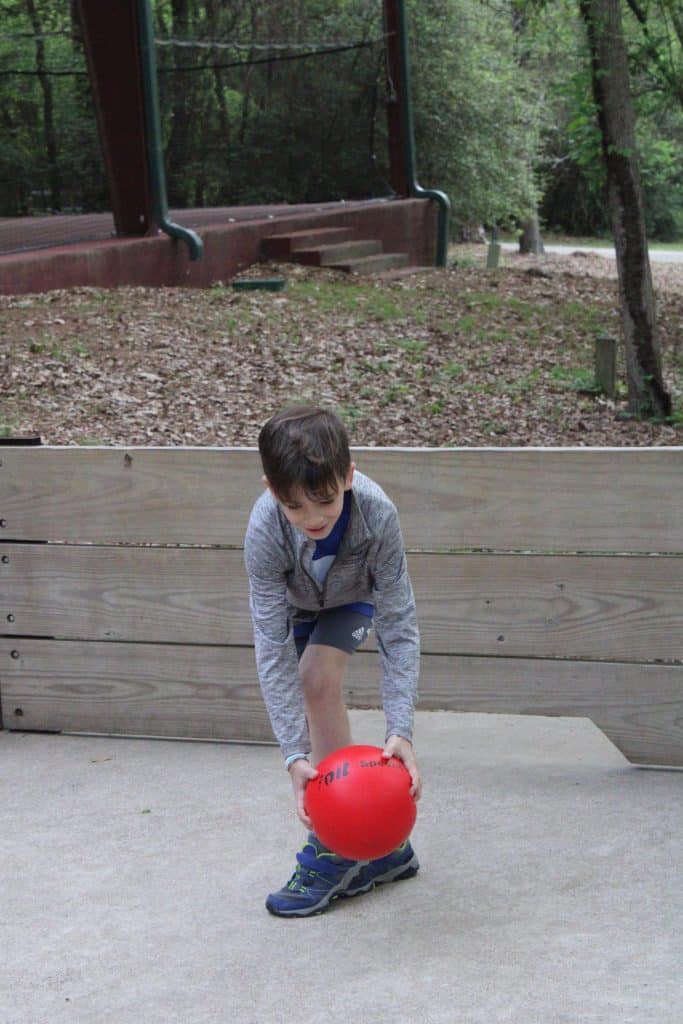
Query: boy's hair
x,y
304,446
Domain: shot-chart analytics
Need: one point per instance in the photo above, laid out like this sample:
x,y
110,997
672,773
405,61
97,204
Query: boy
x,y
325,557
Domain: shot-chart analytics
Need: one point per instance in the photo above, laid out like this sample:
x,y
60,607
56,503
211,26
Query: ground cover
x,y
460,356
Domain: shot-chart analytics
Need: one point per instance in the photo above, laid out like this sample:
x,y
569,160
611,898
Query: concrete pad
x,y
134,874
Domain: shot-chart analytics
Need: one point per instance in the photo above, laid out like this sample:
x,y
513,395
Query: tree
x,y
660,54
647,395
477,110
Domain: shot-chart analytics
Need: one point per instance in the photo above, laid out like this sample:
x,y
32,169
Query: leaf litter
x,y
459,356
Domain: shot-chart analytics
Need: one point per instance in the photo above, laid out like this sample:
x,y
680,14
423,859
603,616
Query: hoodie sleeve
x,y
396,625
266,560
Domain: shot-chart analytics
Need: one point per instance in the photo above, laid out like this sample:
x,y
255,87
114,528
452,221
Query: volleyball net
x,y
259,103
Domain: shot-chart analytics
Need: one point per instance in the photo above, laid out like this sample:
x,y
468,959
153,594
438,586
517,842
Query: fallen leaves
x,y
452,357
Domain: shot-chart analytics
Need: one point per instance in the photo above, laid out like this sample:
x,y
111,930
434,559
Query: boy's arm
x,y
277,666
275,651
398,637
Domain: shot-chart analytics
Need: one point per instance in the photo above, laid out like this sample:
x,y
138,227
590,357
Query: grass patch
x,y
413,349
333,296
487,302
575,378
453,371
586,318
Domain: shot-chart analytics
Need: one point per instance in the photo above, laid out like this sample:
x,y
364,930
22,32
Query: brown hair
x,y
304,446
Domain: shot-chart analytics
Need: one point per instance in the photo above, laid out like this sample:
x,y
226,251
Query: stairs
x,y
335,249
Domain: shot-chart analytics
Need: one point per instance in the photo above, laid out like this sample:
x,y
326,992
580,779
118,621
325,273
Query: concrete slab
x,y
134,874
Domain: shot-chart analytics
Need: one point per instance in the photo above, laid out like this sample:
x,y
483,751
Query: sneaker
x,y
396,866
320,877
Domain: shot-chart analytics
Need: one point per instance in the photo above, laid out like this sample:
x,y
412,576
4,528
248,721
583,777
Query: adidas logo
x,y
359,633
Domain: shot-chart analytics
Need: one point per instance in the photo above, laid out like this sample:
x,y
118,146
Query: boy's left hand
x,y
398,746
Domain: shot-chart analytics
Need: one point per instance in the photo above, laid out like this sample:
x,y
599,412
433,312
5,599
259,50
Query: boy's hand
x,y
301,772
397,746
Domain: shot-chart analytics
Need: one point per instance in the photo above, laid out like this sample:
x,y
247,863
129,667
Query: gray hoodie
x,y
370,566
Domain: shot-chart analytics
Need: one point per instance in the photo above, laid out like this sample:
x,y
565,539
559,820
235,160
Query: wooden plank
x,y
211,693
638,707
623,499
536,499
625,608
138,495
135,689
569,606
93,592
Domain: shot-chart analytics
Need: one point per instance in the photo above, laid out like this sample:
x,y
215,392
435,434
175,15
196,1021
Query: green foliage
x,y
571,167
49,156
661,163
477,111
503,109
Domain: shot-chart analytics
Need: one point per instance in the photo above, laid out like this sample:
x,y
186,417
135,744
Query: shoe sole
x,y
397,874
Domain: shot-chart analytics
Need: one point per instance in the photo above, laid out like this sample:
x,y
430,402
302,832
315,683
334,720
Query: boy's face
x,y
315,516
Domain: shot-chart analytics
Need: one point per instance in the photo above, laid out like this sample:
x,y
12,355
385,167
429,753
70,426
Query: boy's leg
x,y
322,670
320,876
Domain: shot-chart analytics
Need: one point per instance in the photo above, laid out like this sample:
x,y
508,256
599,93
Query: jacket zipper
x,y
316,589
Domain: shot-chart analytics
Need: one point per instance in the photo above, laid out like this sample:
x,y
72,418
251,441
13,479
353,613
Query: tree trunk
x,y
530,240
647,395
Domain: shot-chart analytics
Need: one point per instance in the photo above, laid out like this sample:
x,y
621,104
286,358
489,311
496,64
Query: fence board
x,y
144,689
168,495
623,499
183,595
568,606
639,707
137,689
623,608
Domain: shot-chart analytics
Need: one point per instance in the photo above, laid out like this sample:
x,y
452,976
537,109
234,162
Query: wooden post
x,y
110,39
493,253
606,364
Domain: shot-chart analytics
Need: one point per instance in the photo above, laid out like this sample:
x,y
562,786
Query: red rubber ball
x,y
360,804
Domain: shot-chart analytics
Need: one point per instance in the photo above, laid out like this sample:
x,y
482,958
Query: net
x,y
260,103
50,158
274,106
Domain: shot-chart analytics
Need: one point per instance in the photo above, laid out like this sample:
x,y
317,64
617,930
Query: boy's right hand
x,y
301,773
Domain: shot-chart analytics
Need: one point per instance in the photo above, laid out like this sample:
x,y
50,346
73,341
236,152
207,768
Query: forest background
x,y
285,102
267,101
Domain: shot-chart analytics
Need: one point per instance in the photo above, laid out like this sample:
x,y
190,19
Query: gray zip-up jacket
x,y
370,566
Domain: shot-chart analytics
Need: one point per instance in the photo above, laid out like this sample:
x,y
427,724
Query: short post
x,y
493,255
606,364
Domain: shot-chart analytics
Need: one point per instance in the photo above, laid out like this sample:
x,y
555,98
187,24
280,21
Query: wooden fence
x,y
548,581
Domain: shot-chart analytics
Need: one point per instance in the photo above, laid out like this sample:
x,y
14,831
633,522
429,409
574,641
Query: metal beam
x,y
110,37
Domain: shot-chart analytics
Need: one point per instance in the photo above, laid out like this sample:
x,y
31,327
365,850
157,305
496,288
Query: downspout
x,y
416,190
157,177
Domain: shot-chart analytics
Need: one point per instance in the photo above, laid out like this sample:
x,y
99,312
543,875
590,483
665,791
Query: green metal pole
x,y
416,190
157,175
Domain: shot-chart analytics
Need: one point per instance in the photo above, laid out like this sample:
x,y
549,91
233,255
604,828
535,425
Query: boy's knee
x,y
320,679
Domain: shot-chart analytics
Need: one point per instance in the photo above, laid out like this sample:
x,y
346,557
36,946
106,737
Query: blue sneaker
x,y
396,866
320,876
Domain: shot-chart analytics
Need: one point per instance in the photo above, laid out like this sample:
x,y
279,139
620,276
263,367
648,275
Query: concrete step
x,y
373,264
281,247
328,255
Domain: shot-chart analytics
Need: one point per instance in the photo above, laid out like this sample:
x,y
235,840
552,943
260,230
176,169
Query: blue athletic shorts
x,y
343,628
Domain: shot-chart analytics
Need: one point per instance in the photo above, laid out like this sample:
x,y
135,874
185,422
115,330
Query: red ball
x,y
360,804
